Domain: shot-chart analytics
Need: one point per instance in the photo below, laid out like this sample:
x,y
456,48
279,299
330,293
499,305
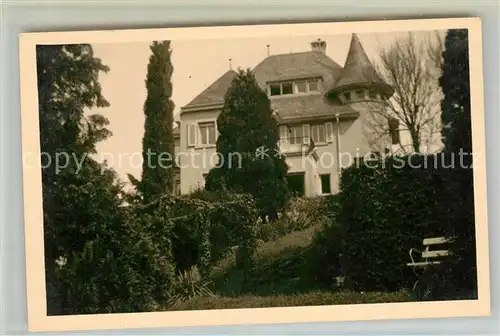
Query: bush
x,y
387,208
299,214
188,285
207,226
326,249
125,268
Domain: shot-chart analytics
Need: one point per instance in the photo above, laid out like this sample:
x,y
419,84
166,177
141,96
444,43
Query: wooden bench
x,y
430,255
434,253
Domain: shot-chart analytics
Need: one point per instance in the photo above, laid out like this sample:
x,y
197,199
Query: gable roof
x,y
297,65
273,68
358,69
214,94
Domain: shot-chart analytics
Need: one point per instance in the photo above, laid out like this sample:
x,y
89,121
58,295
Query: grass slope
x,y
281,269
282,279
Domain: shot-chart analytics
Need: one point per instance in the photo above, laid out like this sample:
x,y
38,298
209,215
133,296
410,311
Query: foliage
x,y
67,77
457,137
247,128
326,249
207,226
384,213
282,266
99,256
455,83
188,285
299,214
303,299
158,140
133,274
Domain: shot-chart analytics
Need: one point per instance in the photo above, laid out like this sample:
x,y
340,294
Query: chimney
x,y
268,50
318,45
230,64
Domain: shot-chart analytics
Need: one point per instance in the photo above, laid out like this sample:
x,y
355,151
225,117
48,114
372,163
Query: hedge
x,y
388,207
208,226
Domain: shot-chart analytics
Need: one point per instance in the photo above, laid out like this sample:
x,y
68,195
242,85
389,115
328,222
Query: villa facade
x,y
321,107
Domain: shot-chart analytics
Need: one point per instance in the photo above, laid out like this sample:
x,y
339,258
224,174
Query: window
x,y
295,137
313,86
287,88
373,94
318,133
294,87
325,184
360,94
275,89
207,133
301,87
347,96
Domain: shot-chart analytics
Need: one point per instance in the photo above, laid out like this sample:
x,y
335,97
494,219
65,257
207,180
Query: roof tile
x,y
214,94
309,105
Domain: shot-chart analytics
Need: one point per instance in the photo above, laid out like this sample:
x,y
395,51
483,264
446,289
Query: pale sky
x,y
197,64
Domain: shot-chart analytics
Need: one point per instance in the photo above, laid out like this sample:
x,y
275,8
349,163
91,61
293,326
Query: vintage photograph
x,y
271,171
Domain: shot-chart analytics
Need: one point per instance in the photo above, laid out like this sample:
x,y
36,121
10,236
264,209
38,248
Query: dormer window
x,y
347,96
275,89
287,88
373,94
301,87
313,86
294,87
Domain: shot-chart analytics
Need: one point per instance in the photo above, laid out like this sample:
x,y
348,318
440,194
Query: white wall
x,y
195,161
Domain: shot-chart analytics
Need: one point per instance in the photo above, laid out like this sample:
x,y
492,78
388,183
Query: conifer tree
x,y
158,140
248,147
457,138
455,117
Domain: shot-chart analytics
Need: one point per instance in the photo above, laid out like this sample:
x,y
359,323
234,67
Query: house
x,y
322,110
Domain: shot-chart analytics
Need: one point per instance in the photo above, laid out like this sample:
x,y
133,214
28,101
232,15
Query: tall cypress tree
x,y
158,141
456,116
457,138
248,147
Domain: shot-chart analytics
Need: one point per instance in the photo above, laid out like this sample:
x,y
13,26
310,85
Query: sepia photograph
x,y
328,168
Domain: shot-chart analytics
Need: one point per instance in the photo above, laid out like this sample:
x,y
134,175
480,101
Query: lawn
x,y
282,268
306,299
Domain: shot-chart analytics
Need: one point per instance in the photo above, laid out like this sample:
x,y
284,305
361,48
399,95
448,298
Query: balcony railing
x,y
296,144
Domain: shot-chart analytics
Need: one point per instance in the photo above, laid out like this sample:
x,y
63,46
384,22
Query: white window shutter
x,y
329,131
306,133
197,137
191,134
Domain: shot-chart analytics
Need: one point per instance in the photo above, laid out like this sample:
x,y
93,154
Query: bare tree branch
x,y
412,66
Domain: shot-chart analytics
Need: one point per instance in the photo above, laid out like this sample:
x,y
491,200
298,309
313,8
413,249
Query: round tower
x,y
360,89
358,80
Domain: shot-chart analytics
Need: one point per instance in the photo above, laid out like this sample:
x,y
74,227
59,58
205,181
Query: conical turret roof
x,y
358,70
